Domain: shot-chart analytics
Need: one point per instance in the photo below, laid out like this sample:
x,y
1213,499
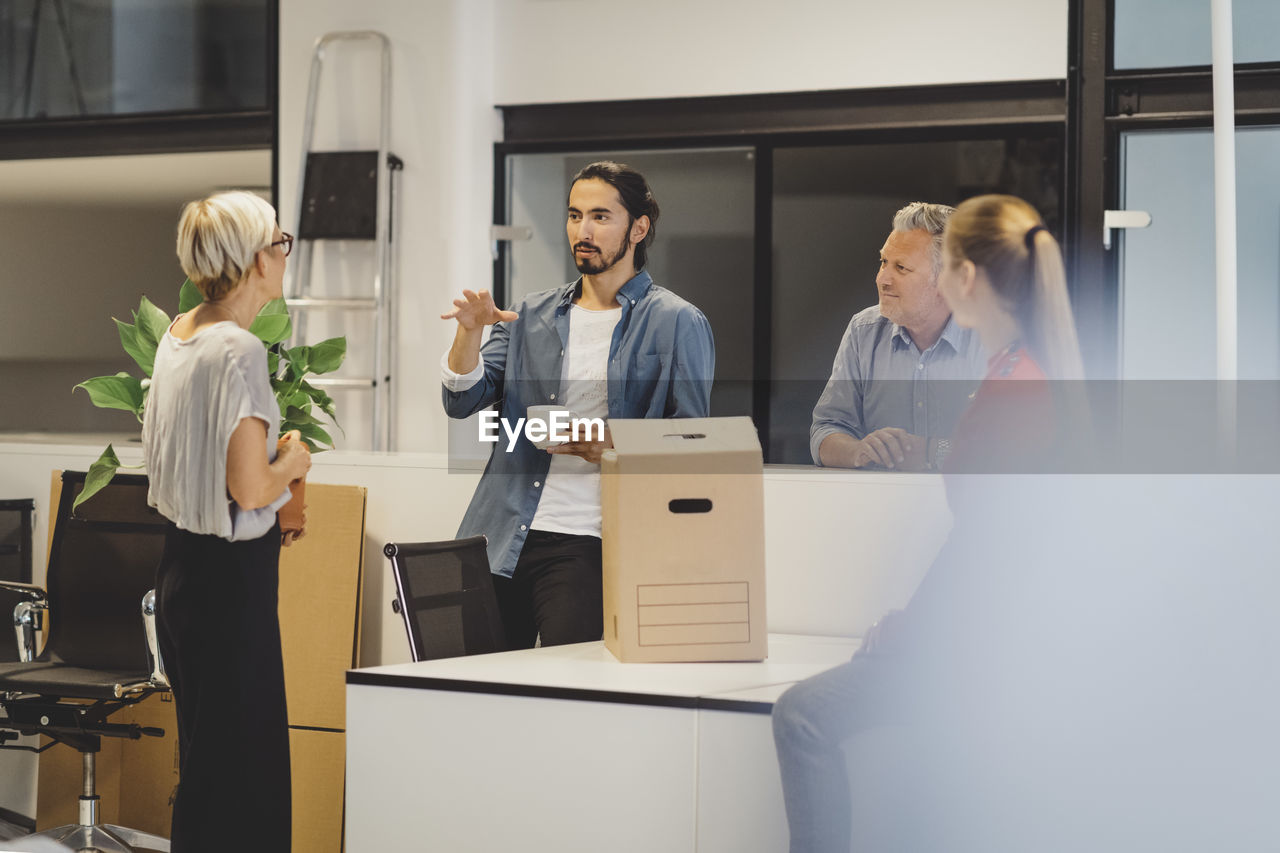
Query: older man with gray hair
x,y
904,370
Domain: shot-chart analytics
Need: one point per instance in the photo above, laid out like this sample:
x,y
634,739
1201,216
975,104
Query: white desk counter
x,y
566,749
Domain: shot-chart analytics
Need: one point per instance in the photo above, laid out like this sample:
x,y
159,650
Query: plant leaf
x,y
138,350
121,391
273,361
327,356
272,324
100,474
294,416
152,323
322,401
314,433
189,296
316,394
299,359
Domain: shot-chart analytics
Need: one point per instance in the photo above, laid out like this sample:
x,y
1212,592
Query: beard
x,y
599,262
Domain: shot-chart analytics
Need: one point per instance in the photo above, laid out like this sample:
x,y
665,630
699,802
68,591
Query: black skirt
x,y
219,636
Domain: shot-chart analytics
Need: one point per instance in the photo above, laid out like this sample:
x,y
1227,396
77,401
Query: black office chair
x,y
445,593
100,655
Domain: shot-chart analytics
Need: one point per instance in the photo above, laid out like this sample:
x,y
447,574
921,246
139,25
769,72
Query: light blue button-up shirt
x,y
880,378
661,365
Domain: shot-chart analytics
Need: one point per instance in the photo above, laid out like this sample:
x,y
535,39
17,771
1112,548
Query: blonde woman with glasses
x,y
209,435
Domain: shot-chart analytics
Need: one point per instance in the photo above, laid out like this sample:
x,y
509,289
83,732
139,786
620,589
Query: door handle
x,y
1122,219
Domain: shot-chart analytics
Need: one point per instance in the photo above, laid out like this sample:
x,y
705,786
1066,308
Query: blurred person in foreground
x,y
209,435
1001,276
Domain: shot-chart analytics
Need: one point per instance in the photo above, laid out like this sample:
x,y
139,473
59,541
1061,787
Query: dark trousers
x,y
220,640
554,592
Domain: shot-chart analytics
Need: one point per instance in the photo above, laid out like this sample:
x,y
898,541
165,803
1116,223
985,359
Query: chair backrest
x,y
102,561
15,565
445,593
15,539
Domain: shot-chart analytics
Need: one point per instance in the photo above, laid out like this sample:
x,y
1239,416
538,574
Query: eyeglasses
x,y
286,240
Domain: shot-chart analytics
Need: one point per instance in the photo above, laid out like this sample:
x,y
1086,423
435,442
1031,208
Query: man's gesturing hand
x,y
475,310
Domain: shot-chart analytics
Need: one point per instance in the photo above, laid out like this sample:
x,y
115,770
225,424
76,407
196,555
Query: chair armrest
x,y
30,590
28,617
158,676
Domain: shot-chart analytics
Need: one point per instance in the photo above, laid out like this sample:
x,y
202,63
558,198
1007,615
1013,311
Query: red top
x,y
1009,426
1007,429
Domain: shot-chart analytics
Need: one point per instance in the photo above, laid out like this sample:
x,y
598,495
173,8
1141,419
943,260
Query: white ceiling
x,y
134,180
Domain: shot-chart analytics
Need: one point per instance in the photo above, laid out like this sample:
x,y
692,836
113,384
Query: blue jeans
x,y
810,723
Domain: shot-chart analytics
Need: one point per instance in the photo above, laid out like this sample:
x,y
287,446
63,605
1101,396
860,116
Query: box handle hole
x,y
686,505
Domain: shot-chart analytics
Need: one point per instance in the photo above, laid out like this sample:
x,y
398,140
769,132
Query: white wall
x,y
443,127
587,50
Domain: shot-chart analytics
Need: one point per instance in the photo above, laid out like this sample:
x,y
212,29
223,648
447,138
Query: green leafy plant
x,y
297,398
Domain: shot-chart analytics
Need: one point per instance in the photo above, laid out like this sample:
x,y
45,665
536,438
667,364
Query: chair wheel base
x,y
101,838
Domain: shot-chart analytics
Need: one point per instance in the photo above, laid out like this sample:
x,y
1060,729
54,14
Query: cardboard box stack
x,y
683,528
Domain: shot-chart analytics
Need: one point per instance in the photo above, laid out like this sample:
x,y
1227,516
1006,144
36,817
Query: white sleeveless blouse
x,y
201,389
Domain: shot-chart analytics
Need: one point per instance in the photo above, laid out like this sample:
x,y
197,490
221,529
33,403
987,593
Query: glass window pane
x,y
1168,280
833,208
1171,33
704,250
98,231
96,58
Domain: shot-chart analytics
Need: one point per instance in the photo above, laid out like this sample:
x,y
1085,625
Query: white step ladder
x,y
349,195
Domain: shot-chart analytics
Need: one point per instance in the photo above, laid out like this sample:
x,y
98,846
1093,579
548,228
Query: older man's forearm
x,y
839,450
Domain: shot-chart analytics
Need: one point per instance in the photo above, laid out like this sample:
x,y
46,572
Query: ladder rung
x,y
365,384
352,303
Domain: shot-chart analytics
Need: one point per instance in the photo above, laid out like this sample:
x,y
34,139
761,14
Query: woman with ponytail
x,y
1003,277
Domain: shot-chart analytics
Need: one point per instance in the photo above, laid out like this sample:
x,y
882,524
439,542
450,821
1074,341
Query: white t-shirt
x,y
570,501
201,389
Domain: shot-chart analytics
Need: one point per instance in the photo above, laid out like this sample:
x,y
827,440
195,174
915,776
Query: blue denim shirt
x,y
881,379
661,365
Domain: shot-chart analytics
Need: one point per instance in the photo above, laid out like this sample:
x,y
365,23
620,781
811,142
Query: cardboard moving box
x,y
683,526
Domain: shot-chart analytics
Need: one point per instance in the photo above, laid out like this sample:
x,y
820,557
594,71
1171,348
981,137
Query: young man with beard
x,y
904,370
610,345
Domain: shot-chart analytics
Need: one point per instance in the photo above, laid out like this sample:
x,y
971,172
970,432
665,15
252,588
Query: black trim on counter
x,y
539,691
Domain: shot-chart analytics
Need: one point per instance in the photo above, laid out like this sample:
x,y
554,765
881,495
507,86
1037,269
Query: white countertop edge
x,y
586,668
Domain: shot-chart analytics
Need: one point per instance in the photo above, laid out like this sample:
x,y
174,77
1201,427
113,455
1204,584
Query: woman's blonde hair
x,y
1006,237
218,238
